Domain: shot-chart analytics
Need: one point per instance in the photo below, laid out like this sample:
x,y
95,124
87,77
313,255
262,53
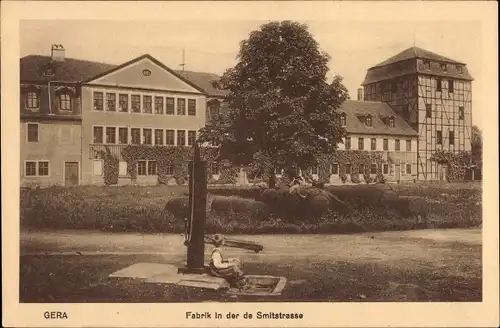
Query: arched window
x,y
368,120
343,120
391,122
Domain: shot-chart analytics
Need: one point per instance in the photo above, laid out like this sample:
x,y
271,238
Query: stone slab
x,y
259,285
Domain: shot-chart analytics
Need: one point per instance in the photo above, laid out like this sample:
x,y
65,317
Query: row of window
x,y
145,136
145,168
335,169
33,101
373,144
161,105
428,111
367,120
443,66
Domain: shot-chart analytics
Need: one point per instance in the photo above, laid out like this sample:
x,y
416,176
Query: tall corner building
x,y
433,94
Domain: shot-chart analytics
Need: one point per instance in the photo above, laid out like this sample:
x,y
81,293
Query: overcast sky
x,y
211,46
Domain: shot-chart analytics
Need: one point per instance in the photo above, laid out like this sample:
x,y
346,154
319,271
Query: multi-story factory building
x,y
433,94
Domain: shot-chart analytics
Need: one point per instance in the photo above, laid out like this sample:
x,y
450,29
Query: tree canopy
x,y
476,145
281,109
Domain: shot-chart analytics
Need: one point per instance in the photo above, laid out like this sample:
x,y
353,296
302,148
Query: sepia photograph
x,y
256,160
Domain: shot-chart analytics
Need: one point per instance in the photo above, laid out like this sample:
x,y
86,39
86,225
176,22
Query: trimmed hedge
x,y
144,209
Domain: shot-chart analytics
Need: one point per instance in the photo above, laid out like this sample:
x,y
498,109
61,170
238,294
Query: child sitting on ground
x,y
229,269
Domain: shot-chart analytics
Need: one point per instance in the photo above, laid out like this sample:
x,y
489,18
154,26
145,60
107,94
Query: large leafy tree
x,y
281,109
476,145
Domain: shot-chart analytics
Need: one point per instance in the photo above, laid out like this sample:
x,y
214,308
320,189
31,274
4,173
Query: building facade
x,y
374,127
434,96
73,110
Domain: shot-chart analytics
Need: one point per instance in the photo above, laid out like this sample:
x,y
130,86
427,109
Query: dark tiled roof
x,y
416,52
405,63
204,81
76,70
380,113
70,70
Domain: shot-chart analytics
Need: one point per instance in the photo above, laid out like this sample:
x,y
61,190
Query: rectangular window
x,y
36,168
427,64
159,137
452,137
142,168
450,86
386,168
438,85
213,111
151,167
348,169
314,170
170,106
146,168
32,131
169,170
192,107
343,120
97,167
181,138
43,169
439,137
136,104
98,100
373,169
461,113
147,136
334,168
65,102
215,168
98,134
32,101
147,104
408,145
191,138
408,168
30,169
135,133
361,143
123,136
123,99
373,144
181,106
170,137
386,144
348,143
122,168
111,102
361,168
110,135
428,110
158,105
396,145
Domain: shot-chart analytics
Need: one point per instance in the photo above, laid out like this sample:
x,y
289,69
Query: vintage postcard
x,y
249,164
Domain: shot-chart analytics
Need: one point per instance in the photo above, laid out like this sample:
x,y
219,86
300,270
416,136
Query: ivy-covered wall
x,y
177,158
166,156
457,163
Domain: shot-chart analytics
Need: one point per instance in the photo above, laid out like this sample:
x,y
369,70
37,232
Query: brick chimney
x,y
360,94
58,52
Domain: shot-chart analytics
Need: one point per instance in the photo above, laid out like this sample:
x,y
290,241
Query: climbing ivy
x,y
166,157
457,163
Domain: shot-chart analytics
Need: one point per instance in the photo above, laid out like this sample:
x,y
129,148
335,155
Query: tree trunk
x,y
272,181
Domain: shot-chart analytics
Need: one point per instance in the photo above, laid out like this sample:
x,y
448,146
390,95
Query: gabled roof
x,y
405,63
416,52
32,69
204,81
70,70
380,112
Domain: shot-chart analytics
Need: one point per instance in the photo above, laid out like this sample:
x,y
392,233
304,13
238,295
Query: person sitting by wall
x,y
229,269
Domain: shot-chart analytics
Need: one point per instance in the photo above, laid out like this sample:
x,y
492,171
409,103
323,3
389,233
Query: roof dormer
x,y
368,120
343,119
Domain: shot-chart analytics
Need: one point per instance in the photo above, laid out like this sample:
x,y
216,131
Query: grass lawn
x,y
392,266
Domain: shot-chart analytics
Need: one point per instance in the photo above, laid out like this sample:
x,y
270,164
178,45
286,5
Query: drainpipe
x,y
50,100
